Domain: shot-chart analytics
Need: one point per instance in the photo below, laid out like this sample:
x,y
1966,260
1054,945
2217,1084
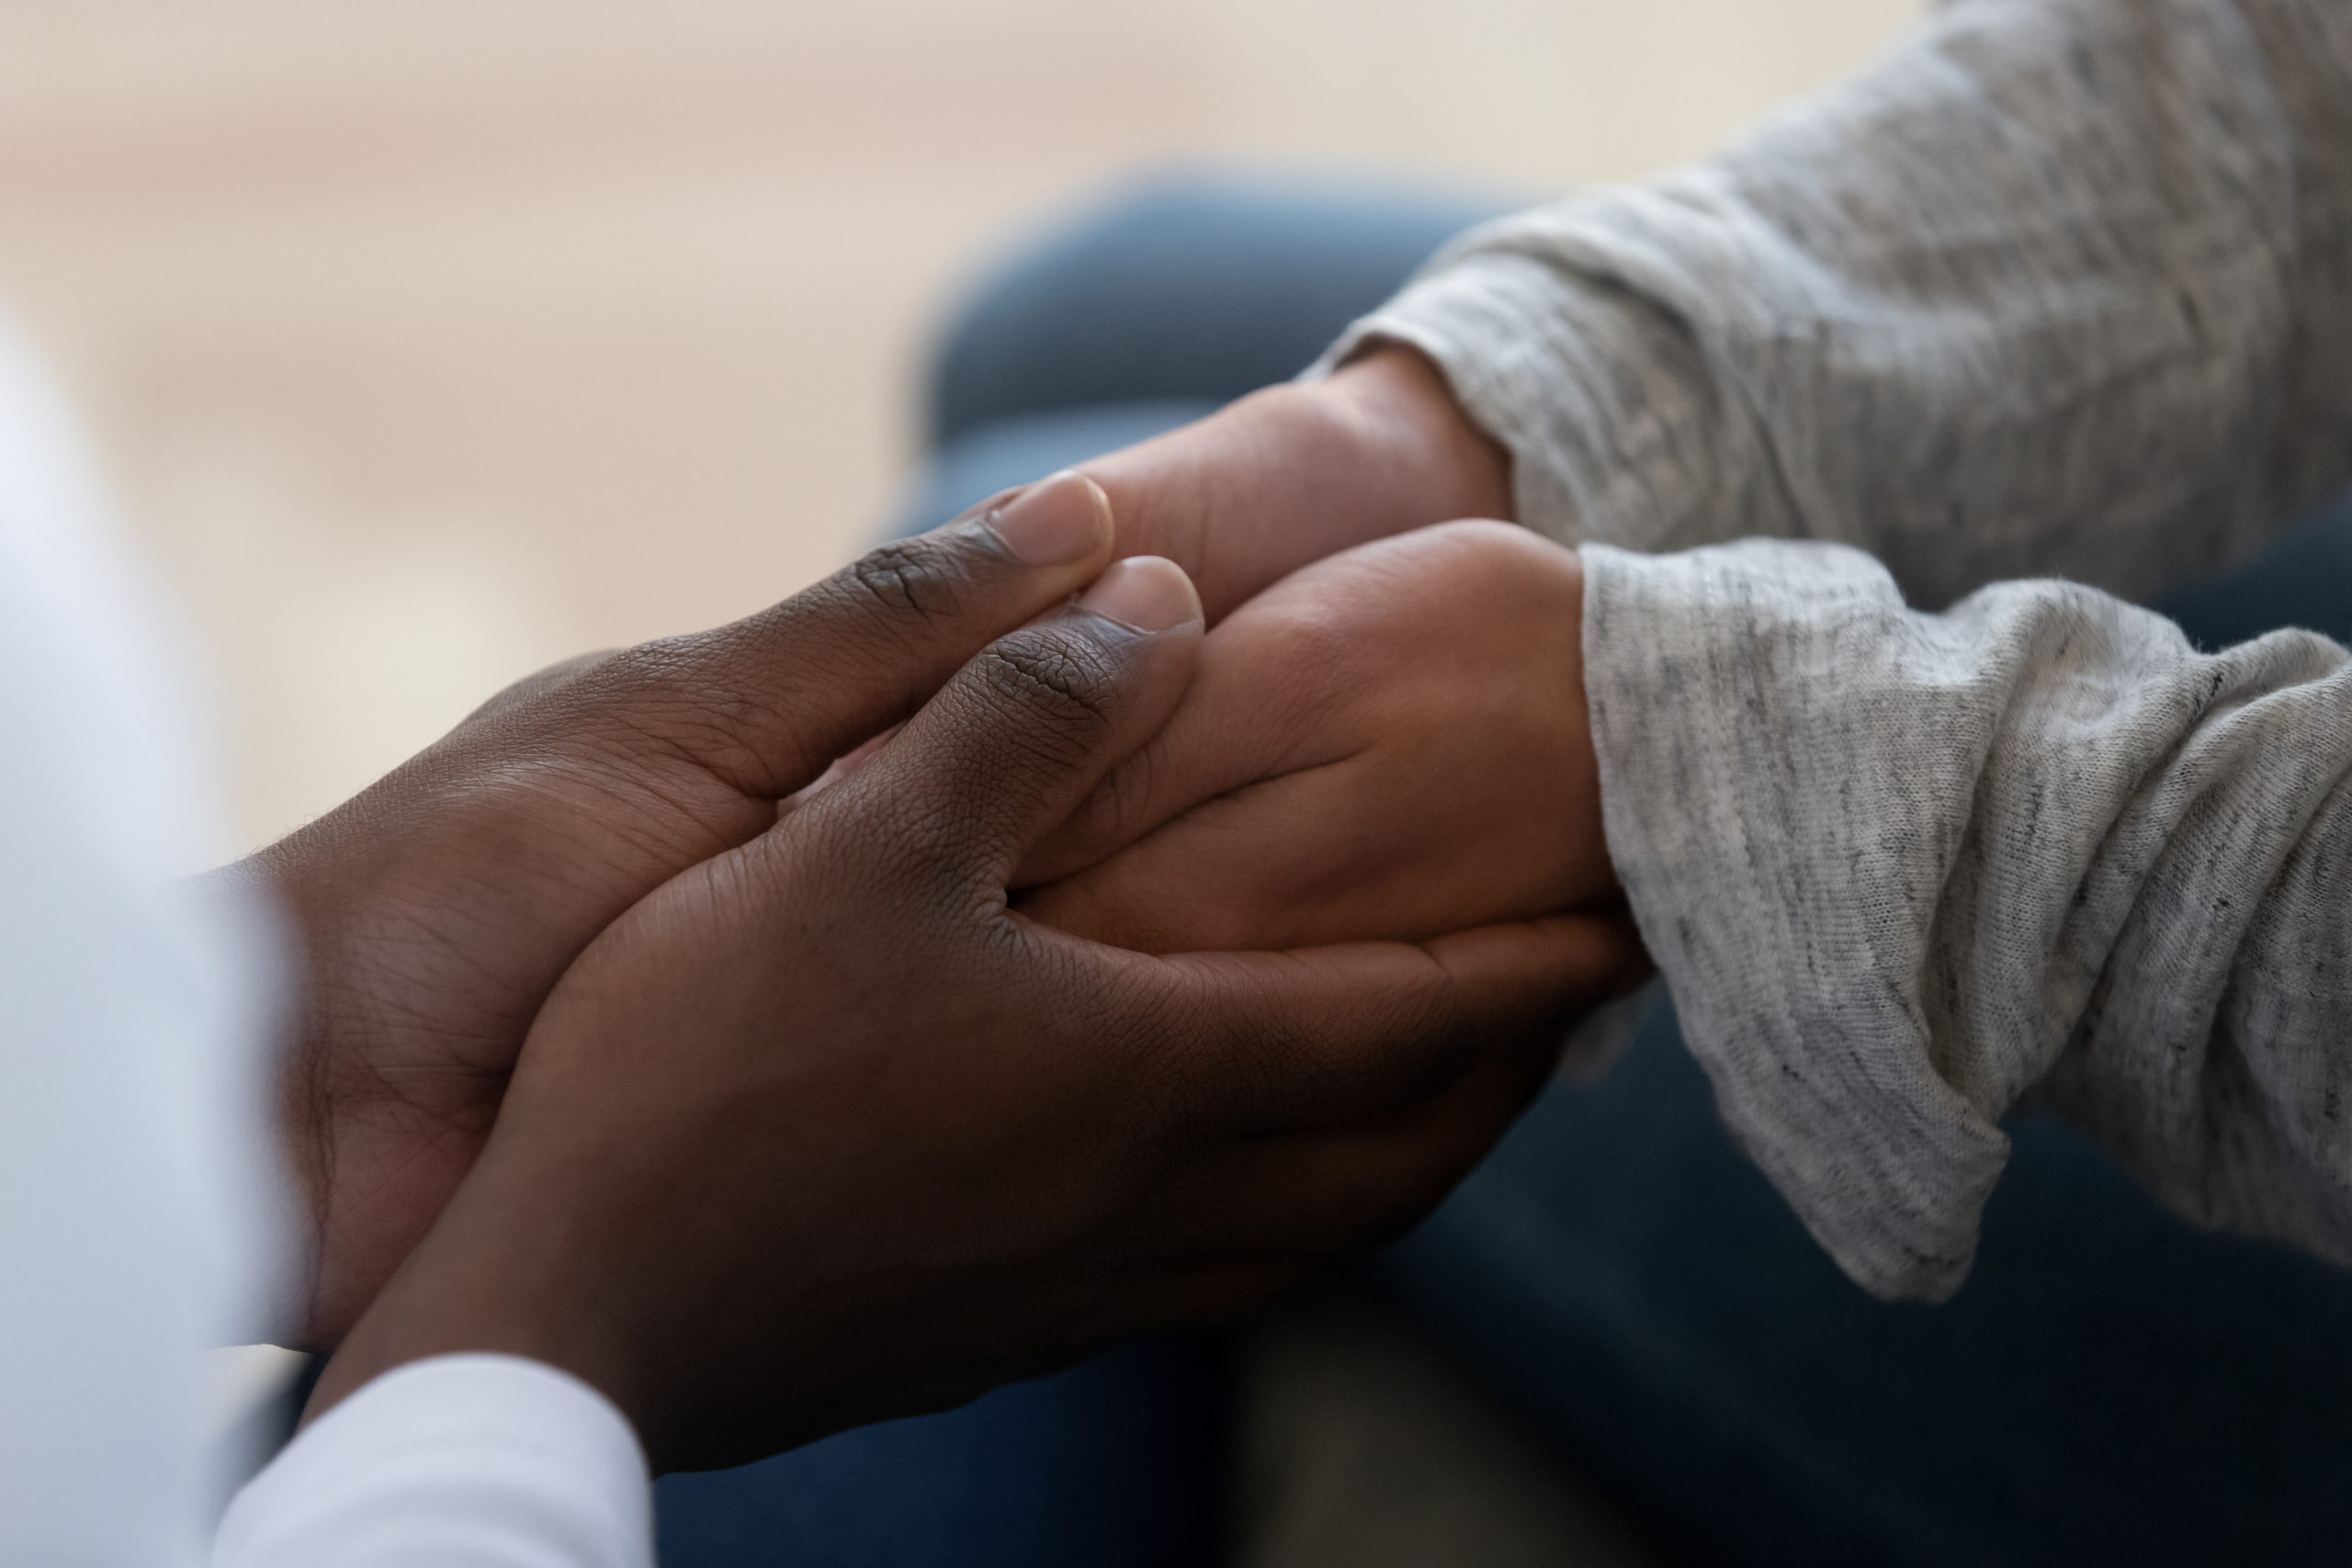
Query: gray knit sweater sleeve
x,y
1904,870
2062,287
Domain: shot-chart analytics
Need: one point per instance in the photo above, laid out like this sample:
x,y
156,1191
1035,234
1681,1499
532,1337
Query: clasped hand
x,y
1389,743
770,1121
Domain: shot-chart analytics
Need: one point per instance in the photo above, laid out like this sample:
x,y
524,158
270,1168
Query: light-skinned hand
x,y
1297,472
1392,742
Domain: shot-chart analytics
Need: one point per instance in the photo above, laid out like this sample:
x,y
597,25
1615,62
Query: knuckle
x,y
1061,685
684,694
908,581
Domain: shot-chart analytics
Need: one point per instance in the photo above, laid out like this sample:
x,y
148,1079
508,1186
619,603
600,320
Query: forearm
x,y
2057,287
1903,871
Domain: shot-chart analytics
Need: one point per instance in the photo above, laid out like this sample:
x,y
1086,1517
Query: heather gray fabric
x,y
1902,870
2062,287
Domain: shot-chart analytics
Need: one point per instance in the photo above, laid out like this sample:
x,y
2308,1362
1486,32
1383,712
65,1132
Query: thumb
x,y
768,702
1021,734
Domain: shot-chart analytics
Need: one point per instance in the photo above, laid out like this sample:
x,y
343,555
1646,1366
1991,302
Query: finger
x,y
1288,862
1284,1041
1317,1193
1234,728
1016,739
1376,846
768,702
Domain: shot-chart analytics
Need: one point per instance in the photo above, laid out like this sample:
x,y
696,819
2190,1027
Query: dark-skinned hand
x,y
437,910
819,1129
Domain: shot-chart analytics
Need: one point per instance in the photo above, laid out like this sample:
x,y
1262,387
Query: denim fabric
x,y
1184,285
1120,1463
2111,1385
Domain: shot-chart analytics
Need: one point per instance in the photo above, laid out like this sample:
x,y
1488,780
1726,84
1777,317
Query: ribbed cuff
x,y
1754,838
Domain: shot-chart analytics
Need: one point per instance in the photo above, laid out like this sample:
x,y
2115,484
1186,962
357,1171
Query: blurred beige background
x,y
432,341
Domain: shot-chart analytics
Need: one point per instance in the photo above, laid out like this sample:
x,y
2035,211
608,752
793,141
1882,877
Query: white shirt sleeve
x,y
461,1461
141,1219
135,1180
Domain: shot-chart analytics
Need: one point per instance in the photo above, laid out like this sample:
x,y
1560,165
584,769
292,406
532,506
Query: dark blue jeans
x,y
2111,1386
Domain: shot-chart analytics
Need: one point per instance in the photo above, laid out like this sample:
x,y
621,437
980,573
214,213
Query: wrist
x,y
1298,472
495,1276
1436,465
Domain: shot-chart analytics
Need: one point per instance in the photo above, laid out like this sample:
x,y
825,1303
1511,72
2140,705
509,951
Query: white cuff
x,y
462,1461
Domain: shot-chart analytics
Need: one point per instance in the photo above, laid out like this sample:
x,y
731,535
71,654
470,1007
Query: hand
x,y
1294,473
437,909
1390,743
820,1131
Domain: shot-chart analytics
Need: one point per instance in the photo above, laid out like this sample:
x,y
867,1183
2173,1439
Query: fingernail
x,y
1143,593
1059,519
